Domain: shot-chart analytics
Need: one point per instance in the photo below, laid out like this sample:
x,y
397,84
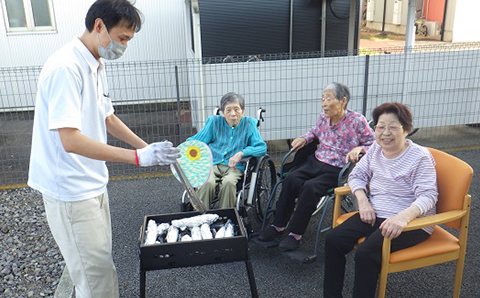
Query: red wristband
x,y
136,158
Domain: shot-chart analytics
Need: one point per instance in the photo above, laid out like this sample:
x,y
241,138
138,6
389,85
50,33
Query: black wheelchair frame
x,y
253,189
348,202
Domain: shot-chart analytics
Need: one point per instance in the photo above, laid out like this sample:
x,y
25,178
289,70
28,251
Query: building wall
x,y
466,21
378,16
164,34
433,10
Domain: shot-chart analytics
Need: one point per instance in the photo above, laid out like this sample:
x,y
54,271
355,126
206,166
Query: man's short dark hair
x,y
113,13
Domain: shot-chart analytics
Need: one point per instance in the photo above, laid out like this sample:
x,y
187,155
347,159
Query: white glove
x,y
160,153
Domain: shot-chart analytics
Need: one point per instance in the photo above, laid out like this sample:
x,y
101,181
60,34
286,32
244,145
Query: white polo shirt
x,y
72,92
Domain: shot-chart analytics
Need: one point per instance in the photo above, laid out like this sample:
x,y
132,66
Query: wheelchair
x,y
348,202
253,188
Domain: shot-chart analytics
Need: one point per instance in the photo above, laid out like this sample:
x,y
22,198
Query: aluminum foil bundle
x,y
186,238
151,233
226,230
206,232
229,229
220,233
196,233
172,234
195,221
162,228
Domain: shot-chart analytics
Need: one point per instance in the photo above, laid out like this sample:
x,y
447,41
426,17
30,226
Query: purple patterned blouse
x,y
339,139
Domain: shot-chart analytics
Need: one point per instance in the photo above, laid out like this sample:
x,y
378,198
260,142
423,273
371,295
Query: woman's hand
x,y
367,214
392,227
298,143
353,155
232,162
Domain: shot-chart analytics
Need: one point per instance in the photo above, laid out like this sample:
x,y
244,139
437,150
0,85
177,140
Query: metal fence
x,y
171,99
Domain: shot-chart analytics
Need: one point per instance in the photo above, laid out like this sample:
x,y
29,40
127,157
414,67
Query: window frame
x,y
29,18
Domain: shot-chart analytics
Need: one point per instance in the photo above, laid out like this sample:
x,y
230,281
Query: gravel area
x,y
30,262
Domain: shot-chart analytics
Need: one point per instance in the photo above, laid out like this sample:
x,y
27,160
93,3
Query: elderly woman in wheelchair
x,y
342,135
400,178
231,137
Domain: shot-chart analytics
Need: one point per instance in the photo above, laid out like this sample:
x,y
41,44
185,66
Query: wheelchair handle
x,y
260,118
347,168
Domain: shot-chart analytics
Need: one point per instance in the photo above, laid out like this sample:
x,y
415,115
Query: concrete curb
x,y
65,287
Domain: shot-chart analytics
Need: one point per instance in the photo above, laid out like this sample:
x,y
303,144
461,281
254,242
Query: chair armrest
x,y
422,222
339,192
343,190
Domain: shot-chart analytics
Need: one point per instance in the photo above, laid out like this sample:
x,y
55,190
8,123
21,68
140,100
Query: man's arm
x,y
74,141
119,130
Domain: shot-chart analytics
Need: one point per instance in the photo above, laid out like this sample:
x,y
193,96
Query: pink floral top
x,y
337,140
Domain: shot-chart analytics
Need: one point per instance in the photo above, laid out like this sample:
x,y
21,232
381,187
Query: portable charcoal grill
x,y
195,253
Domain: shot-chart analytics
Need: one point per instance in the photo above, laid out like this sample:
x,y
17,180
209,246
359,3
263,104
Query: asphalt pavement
x,y
276,275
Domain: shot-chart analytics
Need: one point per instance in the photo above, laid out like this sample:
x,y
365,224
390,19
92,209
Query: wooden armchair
x,y
453,210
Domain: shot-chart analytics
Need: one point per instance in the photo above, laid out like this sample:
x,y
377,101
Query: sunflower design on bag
x,y
196,162
193,153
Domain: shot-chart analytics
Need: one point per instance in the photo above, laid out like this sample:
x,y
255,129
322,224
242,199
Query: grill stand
x,y
196,253
248,263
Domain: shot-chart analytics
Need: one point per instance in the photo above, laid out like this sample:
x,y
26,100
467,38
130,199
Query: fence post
x,y
365,85
177,83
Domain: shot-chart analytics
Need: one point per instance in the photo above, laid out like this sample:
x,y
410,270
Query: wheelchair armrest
x,y
245,159
283,161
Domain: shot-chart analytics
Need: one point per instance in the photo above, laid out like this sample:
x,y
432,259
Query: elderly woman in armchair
x,y
401,179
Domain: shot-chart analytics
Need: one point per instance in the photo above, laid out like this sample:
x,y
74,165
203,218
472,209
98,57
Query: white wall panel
x,y
163,36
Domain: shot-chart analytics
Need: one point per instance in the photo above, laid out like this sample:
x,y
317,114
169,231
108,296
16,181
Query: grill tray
x,y
194,253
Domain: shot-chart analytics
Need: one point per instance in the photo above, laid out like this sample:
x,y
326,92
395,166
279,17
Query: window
x,y
28,15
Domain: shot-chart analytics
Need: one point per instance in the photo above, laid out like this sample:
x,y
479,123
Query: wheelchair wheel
x,y
266,179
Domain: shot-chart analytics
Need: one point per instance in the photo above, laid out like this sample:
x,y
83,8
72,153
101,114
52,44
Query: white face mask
x,y
113,51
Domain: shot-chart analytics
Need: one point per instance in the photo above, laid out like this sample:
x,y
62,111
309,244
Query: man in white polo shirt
x,y
73,114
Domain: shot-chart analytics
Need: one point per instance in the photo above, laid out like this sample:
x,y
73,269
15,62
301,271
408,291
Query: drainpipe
x,y
324,27
198,56
290,42
351,26
444,20
384,13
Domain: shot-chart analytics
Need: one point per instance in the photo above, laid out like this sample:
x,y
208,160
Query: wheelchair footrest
x,y
265,244
301,256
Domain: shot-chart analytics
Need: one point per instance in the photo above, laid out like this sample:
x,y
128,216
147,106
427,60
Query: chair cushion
x,y
439,242
344,217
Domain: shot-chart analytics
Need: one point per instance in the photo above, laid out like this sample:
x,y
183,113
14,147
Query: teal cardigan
x,y
225,141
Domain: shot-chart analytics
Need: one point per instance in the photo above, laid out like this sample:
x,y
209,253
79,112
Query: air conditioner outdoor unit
x,y
397,12
370,10
433,28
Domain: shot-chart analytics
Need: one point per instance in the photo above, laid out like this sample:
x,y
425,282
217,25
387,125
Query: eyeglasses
x,y
392,128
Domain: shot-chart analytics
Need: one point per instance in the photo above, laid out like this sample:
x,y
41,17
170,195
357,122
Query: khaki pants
x,y
227,179
82,230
